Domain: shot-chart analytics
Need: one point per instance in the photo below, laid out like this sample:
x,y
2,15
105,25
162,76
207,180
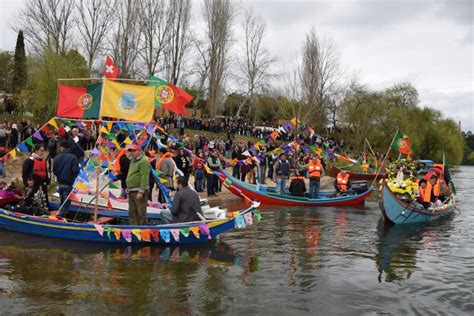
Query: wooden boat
x,y
182,233
267,195
359,176
396,211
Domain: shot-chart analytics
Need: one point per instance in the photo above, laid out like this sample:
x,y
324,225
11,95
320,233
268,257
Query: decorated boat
x,y
360,176
268,195
398,211
113,232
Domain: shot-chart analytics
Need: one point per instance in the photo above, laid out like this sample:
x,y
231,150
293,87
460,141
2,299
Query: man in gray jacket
x,y
186,204
166,165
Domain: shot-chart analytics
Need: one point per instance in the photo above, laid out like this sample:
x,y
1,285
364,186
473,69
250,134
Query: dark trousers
x,y
64,191
211,184
236,171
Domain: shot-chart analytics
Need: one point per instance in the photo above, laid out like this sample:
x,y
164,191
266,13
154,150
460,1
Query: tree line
x,y
216,52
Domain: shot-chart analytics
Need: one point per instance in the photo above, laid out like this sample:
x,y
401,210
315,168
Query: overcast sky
x,y
425,42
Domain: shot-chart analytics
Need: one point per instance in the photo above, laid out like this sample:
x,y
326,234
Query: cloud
x,y
458,105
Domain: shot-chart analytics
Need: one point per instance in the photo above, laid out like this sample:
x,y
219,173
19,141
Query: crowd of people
x,y
58,154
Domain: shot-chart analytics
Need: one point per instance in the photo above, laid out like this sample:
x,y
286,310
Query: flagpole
x,y
101,79
386,155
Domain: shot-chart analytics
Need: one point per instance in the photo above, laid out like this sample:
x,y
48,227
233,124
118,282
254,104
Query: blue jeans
x,y
263,173
280,185
64,191
314,188
198,185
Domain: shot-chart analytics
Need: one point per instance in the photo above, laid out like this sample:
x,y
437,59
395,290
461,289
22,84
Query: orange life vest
x,y
314,169
39,168
342,181
436,189
425,194
117,161
168,154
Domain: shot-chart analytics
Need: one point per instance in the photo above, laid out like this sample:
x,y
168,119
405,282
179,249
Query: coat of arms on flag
x,y
85,101
127,102
164,94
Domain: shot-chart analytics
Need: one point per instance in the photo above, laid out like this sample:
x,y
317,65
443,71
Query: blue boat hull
x,y
39,226
396,211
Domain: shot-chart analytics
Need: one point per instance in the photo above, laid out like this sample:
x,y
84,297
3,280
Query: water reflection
x,y
117,278
398,246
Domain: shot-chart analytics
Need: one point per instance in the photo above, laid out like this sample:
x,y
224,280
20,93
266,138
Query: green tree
x,y
20,74
6,70
46,70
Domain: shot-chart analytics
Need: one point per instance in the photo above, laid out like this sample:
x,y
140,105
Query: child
x,y
34,201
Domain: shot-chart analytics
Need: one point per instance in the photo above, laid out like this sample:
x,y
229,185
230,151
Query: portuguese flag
x,y
402,144
169,96
79,102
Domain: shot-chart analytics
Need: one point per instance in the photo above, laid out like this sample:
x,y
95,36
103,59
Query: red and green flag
x,y
402,144
169,96
79,102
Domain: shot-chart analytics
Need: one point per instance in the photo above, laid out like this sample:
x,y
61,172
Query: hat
x,y
133,147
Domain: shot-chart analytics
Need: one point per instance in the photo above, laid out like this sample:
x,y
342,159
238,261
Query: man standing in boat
x,y
66,169
314,174
281,173
137,185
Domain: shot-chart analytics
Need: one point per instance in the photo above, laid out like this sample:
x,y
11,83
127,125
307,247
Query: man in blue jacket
x,y
66,169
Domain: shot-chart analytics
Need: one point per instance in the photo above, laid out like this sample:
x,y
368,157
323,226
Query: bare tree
x,y
180,40
155,19
47,24
257,60
201,71
218,15
93,21
320,72
125,39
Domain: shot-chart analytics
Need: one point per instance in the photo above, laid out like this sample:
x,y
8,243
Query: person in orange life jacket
x,y
425,193
438,190
281,173
297,185
36,167
315,169
341,183
66,169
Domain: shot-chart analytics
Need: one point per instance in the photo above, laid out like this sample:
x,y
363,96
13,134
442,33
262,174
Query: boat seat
x,y
103,220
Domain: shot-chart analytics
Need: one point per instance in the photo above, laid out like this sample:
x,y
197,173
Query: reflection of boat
x,y
360,176
267,195
396,211
182,233
220,253
397,250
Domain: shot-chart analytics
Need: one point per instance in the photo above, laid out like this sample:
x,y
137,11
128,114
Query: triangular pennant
x,y
127,235
109,205
100,229
29,142
204,229
137,233
195,231
175,233
53,123
165,235
184,231
12,154
113,186
117,232
248,218
155,233
146,234
108,231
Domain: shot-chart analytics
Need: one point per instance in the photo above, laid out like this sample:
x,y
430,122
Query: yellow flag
x,y
52,122
127,141
13,153
127,101
109,125
103,130
295,121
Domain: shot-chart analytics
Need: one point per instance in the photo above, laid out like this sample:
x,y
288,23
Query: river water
x,y
295,261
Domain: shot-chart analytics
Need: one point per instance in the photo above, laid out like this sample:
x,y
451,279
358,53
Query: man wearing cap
x,y
137,185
